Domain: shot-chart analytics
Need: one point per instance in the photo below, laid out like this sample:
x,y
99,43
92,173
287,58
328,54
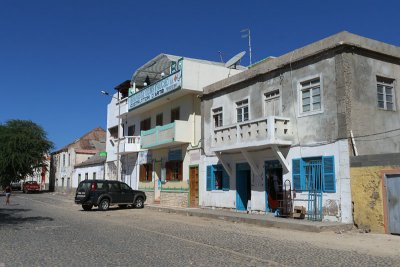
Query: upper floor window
x,y
175,114
272,104
310,96
63,160
94,176
131,130
242,110
217,116
385,92
145,124
159,119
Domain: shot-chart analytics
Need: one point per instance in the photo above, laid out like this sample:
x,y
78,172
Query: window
x,y
217,116
125,187
217,178
272,104
114,187
385,93
113,132
242,110
145,124
79,178
159,119
94,176
314,174
310,96
63,160
69,159
175,114
131,130
146,172
86,176
173,170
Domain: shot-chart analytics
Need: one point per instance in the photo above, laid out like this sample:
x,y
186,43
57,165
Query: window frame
x,y
267,99
159,119
241,105
175,114
386,83
218,113
211,179
301,89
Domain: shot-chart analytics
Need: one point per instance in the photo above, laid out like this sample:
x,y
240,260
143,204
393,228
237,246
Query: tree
x,y
23,145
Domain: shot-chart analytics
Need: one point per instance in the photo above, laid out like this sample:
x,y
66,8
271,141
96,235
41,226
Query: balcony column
x,y
228,169
281,158
253,165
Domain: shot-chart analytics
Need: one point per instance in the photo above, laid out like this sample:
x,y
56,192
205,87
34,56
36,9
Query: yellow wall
x,y
366,192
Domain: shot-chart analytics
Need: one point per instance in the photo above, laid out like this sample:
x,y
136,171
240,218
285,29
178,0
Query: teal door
x,y
243,185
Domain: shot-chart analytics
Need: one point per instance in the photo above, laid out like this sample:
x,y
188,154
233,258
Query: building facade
x,y
64,160
279,134
159,144
91,169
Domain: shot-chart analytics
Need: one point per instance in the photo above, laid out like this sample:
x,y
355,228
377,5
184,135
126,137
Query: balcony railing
x,y
166,135
129,144
269,130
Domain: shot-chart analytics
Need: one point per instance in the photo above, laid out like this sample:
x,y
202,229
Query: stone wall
x,y
174,199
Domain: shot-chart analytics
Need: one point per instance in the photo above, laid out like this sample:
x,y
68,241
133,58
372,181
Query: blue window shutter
x,y
213,169
296,174
225,179
209,177
329,174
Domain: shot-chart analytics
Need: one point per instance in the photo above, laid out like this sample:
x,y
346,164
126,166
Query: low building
x,y
90,169
279,134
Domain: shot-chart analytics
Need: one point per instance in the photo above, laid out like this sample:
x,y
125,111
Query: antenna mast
x,y
247,34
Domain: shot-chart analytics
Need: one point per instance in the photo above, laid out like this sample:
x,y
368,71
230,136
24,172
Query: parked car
x,y
16,186
30,186
105,193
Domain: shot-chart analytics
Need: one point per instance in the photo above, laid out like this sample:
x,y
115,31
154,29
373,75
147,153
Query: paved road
x,y
49,230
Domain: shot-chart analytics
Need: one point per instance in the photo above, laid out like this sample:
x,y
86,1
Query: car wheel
x,y
87,207
139,203
123,206
104,204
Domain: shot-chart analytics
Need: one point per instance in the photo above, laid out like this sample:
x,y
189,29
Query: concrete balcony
x,y
129,144
172,134
254,134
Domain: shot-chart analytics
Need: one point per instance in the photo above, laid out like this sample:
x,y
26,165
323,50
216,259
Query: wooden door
x,y
194,186
393,205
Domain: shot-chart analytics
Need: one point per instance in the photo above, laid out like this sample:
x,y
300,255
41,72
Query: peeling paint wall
x,y
367,195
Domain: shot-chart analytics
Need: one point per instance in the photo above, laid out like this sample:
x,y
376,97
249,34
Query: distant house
x,y
41,174
91,169
64,160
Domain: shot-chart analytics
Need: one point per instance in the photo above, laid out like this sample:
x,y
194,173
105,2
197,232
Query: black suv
x,y
104,193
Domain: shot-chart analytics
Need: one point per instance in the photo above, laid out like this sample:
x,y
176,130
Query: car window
x,y
114,187
125,187
101,186
83,186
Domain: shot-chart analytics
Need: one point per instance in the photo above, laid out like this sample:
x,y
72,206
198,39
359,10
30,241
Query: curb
x,y
280,223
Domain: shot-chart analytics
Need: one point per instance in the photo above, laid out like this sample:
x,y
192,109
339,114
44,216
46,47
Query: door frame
x,y
238,169
384,196
198,181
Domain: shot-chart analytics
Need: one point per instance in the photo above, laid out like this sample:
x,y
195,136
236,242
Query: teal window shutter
x,y
225,179
209,177
296,174
329,174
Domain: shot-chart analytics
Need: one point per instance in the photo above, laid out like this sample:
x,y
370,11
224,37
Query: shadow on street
x,y
13,217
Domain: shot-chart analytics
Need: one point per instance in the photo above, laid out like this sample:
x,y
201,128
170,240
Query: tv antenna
x,y
234,60
246,33
220,56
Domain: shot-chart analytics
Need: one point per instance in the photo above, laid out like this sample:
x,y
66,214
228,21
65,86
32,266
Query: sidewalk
x,y
267,220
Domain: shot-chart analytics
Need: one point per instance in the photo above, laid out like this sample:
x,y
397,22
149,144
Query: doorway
x,y
243,186
273,185
393,205
194,186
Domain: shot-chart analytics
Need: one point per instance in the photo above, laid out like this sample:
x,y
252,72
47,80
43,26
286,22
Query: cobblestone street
x,y
50,230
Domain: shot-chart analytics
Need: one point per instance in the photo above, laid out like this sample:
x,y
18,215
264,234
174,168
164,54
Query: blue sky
x,y
56,56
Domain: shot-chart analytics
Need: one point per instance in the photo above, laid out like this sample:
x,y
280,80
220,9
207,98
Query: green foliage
x,y
23,145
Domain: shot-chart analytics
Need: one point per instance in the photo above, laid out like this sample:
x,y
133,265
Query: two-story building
x,y
64,160
279,134
159,139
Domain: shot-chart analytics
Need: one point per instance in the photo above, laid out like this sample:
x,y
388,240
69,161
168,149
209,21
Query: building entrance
x,y
243,186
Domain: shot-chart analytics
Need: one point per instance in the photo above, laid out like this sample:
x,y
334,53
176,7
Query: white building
x,y
91,169
160,129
